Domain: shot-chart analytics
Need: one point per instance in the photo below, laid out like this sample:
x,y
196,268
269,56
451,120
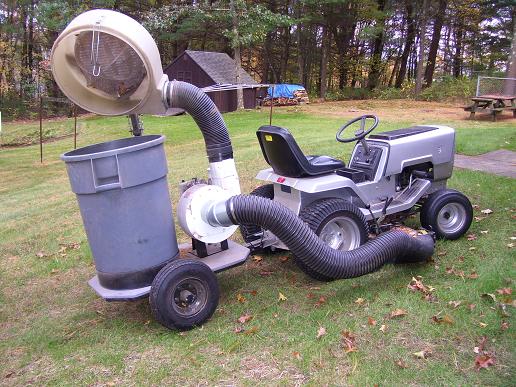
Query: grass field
x,y
55,330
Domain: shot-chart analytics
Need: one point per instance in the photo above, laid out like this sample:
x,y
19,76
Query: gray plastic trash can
x,y
122,190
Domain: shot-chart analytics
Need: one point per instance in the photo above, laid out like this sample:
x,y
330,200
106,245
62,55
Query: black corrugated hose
x,y
205,113
390,247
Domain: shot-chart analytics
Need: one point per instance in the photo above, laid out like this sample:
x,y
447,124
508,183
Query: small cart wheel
x,y
184,294
448,213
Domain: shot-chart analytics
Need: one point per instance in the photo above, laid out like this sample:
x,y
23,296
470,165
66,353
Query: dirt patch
x,y
395,110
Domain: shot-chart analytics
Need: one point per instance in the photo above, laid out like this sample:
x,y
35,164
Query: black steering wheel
x,y
360,133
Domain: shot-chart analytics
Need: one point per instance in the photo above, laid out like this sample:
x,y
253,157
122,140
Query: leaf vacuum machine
x,y
315,206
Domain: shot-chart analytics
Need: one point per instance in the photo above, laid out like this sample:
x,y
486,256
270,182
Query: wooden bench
x,y
494,104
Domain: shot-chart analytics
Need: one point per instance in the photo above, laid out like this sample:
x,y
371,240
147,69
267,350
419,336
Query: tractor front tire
x,y
448,213
184,294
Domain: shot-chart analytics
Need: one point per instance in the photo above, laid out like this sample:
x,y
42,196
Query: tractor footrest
x,y
410,193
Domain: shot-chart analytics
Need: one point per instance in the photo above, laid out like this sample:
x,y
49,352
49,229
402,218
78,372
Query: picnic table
x,y
492,103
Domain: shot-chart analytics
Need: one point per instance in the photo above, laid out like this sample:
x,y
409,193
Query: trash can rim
x,y
142,142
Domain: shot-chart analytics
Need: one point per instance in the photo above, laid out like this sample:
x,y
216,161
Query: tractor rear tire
x,y
448,213
339,223
251,232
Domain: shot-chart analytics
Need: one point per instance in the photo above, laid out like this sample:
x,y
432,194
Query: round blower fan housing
x,y
109,64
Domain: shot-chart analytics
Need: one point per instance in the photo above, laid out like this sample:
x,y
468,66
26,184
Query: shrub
x,y
449,89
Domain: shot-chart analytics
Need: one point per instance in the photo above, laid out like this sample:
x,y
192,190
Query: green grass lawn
x,y
55,330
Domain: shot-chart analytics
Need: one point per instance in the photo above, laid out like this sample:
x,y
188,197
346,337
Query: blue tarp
x,y
283,90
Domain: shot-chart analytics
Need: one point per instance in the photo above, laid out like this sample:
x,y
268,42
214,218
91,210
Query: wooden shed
x,y
203,69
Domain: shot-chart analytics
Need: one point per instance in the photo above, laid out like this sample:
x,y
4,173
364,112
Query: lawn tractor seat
x,y
282,153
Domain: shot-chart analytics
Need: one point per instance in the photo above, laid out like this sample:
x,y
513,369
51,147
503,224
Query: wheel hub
x,y
451,217
190,297
341,233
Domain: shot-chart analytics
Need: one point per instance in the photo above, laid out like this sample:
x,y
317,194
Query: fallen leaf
x,y
54,271
510,245
487,211
359,301
400,363
397,313
483,361
265,273
430,297
281,297
251,331
8,375
257,258
422,354
383,328
483,325
322,300
321,332
240,298
473,275
416,285
370,321
441,253
349,341
484,231
454,304
283,258
504,291
471,306
479,218
245,318
472,248
443,319
297,355
40,254
472,237
504,325
310,295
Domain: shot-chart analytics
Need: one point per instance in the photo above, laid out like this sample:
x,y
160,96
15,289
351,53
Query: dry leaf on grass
x,y
443,319
483,361
487,211
245,318
370,321
484,231
383,328
471,237
504,325
322,300
400,363
240,298
504,291
266,273
349,341
454,304
296,355
281,297
321,332
424,354
397,313
283,258
360,301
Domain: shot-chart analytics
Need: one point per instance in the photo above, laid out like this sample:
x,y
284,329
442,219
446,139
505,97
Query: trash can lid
x,y
110,148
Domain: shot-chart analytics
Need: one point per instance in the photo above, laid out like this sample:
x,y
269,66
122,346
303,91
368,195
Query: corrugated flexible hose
x,y
390,247
206,115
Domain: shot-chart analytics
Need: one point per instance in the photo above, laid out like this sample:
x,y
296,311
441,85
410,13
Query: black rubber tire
x,y
165,285
433,205
249,231
319,213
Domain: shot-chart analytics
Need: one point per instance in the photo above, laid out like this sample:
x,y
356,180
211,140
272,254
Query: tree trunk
x,y
510,85
324,61
376,58
411,33
457,57
422,44
236,44
434,45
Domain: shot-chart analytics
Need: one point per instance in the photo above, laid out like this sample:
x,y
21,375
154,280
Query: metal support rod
x,y
41,130
74,107
272,102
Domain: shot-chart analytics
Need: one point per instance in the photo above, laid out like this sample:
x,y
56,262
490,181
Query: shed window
x,y
188,76
180,75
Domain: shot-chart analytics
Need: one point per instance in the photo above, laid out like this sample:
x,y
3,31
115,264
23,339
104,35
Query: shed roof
x,y
219,66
